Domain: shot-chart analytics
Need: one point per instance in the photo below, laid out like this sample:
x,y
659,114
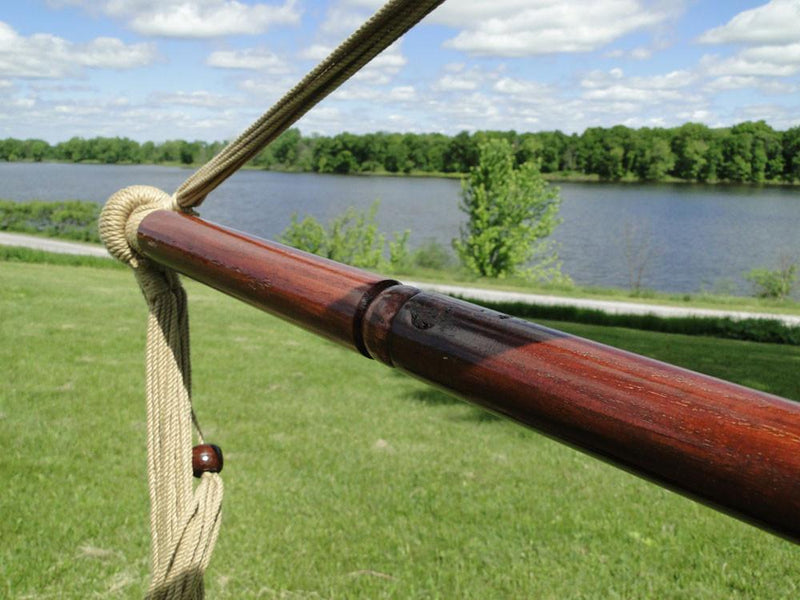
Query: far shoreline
x,y
553,177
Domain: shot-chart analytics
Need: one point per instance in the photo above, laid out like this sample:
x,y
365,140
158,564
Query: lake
x,y
700,237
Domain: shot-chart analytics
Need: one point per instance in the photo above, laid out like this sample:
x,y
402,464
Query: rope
x,y
377,34
184,523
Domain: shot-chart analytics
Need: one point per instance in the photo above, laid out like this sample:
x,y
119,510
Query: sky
x,y
205,69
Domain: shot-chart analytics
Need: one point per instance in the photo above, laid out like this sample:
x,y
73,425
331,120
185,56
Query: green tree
x,y
511,213
285,149
654,157
690,144
461,154
607,152
36,150
791,154
12,149
396,158
75,150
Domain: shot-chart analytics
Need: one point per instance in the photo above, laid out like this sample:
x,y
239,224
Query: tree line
x,y
750,152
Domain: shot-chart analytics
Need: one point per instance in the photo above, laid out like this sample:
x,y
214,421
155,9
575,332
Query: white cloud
x,y
776,22
456,83
787,54
641,53
370,4
340,21
770,86
316,52
458,78
471,110
732,82
523,90
772,35
200,98
700,115
615,77
402,93
516,28
383,68
194,18
266,90
56,120
744,65
613,86
43,55
626,93
259,59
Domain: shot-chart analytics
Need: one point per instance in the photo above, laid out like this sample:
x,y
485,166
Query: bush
x,y
307,235
399,255
775,284
432,255
351,238
72,219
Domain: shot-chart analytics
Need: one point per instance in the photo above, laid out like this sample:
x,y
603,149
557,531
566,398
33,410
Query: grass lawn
x,y
344,479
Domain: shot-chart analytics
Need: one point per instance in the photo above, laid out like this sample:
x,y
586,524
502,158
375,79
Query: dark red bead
x,y
206,458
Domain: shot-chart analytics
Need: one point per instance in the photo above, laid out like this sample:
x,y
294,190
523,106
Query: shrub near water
x,y
71,219
778,283
351,238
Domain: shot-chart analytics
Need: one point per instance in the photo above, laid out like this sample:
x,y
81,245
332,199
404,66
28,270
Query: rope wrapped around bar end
x,y
184,521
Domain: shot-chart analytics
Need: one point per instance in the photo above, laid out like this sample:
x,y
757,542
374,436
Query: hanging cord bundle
x,y
184,522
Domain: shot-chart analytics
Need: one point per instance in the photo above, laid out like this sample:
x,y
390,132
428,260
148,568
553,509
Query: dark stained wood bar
x,y
725,445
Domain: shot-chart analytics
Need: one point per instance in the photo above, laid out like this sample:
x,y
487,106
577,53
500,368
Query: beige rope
x,y
377,34
184,523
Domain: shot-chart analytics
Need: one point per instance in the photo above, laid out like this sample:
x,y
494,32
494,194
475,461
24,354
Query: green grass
x,y
344,479
30,255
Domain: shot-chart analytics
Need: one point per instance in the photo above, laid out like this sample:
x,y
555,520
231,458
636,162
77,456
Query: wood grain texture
x,y
726,445
317,294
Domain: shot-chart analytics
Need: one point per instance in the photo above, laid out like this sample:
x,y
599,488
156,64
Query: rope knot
x,y
121,216
184,521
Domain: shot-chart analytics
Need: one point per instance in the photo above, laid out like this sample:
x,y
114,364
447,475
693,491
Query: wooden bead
x,y
206,458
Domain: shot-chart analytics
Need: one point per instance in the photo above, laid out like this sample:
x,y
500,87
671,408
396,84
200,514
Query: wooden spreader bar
x,y
725,445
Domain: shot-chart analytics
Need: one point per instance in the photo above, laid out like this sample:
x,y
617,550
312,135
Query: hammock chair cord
x,y
184,519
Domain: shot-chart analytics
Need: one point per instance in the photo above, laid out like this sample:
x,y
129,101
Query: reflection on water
x,y
697,236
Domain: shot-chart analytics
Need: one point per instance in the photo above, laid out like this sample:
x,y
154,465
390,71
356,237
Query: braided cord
x,y
377,34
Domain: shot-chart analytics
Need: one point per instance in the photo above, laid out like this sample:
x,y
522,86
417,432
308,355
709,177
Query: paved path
x,y
51,245
613,307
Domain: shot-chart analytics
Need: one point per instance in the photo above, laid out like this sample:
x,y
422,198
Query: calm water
x,y
700,237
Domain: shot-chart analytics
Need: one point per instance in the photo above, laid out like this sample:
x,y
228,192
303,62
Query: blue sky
x,y
204,69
